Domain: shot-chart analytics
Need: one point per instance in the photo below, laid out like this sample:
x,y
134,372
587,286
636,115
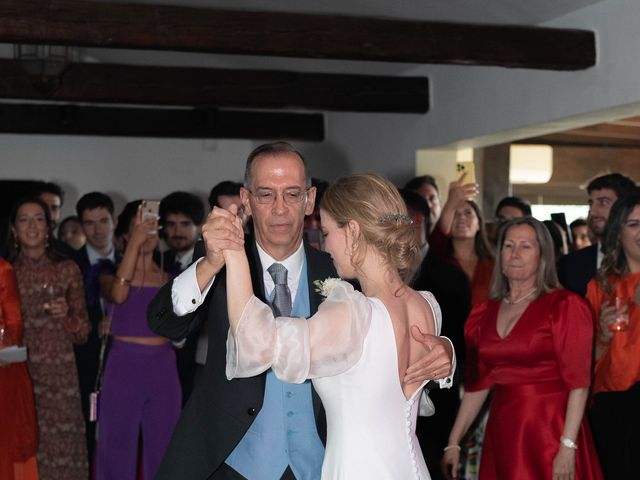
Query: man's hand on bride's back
x,y
436,364
222,231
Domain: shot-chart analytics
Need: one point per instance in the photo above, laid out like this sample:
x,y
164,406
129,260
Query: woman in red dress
x,y
530,346
18,437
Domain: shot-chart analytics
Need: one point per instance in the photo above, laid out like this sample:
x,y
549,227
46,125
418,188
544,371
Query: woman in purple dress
x,y
141,391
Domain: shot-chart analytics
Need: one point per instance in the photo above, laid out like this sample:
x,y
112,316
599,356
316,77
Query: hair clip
x,y
396,217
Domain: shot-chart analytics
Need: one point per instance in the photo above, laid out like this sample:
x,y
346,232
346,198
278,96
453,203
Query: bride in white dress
x,y
357,347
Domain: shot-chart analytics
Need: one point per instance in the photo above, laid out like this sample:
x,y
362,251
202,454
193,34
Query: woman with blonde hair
x,y
357,347
530,346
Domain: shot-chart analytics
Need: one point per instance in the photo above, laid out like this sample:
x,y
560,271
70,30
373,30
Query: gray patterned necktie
x,y
281,303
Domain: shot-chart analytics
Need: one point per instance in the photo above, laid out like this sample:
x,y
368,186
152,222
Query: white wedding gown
x,y
349,350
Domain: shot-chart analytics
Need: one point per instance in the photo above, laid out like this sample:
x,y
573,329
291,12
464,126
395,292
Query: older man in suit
x,y
259,427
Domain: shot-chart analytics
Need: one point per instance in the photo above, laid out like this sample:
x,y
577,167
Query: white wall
x,y
467,103
125,168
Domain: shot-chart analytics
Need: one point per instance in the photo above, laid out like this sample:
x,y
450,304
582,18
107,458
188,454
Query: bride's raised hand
x,y
227,225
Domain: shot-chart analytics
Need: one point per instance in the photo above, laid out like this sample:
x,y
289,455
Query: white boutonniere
x,y
324,287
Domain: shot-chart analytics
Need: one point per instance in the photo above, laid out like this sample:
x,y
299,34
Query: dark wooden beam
x,y
158,122
107,83
619,134
578,142
121,25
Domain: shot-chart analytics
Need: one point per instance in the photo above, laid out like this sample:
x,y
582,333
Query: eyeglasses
x,y
291,196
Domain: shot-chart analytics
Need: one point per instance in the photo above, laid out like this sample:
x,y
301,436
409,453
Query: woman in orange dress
x,y
614,296
55,317
18,438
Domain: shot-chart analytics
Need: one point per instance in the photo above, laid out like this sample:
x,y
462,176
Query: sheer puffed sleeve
x,y
572,330
328,343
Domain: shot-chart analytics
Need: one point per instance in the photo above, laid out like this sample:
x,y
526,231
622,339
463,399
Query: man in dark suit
x,y
259,427
181,216
211,439
95,211
576,269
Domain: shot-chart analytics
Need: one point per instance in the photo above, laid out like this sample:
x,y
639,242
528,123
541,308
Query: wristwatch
x,y
567,442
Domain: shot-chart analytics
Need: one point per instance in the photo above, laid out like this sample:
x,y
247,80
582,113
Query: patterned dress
x,y
62,450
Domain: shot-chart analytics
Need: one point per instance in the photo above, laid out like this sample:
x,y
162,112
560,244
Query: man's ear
x,y
244,197
311,201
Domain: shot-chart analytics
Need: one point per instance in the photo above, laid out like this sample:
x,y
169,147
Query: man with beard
x,y
181,215
576,269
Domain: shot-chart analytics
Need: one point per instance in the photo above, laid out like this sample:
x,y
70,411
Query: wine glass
x,y
3,326
622,317
49,294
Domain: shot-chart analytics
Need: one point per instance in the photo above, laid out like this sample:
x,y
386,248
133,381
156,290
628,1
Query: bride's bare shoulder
x,y
421,310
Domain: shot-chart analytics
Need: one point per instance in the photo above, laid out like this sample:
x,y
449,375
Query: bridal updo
x,y
376,205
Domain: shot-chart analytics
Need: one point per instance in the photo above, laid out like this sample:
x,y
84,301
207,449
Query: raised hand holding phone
x,y
467,179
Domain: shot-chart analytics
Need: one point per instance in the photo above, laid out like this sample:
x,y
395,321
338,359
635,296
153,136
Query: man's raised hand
x,y
436,364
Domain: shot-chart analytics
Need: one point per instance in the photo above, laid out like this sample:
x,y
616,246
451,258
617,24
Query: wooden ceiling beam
x,y
160,27
571,139
268,89
54,119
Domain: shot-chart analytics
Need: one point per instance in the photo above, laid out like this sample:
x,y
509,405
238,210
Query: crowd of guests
x,y
62,296
544,320
540,353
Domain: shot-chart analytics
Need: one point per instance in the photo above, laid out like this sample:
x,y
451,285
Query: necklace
x,y
524,297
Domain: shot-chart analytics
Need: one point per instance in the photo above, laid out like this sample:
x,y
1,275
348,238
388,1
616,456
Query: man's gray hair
x,y
273,148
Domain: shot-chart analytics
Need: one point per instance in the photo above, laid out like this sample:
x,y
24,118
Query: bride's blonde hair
x,y
376,205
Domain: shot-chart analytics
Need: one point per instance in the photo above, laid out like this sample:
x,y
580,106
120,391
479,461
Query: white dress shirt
x,y
186,296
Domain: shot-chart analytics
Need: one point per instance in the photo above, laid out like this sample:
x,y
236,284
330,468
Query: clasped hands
x,y
222,231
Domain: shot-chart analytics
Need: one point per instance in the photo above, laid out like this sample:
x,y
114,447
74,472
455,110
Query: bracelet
x,y
449,447
123,281
567,442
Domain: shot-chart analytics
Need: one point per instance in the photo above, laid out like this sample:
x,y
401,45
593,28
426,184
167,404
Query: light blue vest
x,y
284,432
